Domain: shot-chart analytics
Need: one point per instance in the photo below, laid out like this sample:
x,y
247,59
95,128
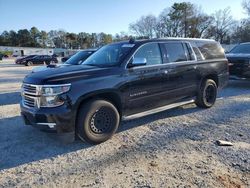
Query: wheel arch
x,y
110,95
212,76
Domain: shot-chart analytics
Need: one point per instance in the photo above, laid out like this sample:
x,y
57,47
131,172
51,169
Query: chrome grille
x,y
29,89
28,101
29,95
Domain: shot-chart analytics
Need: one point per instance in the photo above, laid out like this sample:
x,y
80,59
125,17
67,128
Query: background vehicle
x,y
239,60
122,81
64,59
76,59
39,59
1,56
22,60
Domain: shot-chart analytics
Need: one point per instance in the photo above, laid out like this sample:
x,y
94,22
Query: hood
x,y
65,74
43,68
238,56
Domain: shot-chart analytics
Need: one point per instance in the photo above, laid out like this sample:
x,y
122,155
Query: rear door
x,y
180,75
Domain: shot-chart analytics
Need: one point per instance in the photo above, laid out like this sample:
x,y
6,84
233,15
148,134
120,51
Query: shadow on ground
x,y
10,98
22,144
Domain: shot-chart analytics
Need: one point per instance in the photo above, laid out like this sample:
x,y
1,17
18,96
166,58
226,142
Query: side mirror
x,y
139,62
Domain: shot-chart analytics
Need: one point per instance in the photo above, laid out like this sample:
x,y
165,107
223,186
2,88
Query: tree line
x,y
53,38
188,20
180,20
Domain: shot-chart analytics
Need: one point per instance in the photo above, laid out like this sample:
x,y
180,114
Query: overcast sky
x,y
109,16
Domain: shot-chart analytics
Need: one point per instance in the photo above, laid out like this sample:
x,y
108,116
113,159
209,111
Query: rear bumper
x,y
223,80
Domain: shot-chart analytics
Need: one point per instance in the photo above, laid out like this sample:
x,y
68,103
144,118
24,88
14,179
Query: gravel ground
x,y
175,148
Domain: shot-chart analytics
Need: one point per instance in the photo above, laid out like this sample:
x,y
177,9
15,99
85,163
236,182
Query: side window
x,y
197,52
151,52
210,50
175,52
188,49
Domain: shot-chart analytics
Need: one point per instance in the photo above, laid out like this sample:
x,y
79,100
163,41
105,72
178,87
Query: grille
x,y
29,101
29,89
29,95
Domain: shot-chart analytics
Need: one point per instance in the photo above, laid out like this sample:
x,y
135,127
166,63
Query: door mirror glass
x,y
138,61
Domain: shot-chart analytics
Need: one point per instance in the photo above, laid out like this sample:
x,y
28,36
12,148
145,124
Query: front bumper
x,y
242,71
59,119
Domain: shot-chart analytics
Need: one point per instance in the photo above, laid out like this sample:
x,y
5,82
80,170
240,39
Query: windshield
x,y
79,57
241,49
109,55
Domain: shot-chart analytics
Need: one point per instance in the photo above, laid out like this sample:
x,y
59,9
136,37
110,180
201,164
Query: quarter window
x,y
175,52
151,52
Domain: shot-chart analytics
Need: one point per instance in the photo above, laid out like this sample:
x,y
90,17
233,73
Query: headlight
x,y
51,90
49,95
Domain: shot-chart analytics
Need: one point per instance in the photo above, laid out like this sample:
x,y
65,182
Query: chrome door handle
x,y
166,72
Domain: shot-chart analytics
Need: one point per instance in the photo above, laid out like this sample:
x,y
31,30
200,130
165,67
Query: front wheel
x,y
30,63
97,121
207,94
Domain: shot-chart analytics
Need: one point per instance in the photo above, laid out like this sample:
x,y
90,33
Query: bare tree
x,y
183,20
223,22
199,23
246,6
144,27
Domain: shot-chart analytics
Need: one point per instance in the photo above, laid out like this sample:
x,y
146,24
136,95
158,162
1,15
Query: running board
x,y
156,110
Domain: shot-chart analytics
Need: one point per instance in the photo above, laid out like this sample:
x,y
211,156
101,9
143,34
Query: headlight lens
x,y
52,101
54,89
49,95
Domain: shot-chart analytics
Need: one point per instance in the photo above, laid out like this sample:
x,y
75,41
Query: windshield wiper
x,y
92,65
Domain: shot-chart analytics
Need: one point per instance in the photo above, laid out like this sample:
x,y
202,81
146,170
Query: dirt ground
x,y
175,148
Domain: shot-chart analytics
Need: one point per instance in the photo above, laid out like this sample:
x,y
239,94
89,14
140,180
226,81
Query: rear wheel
x,y
207,94
97,121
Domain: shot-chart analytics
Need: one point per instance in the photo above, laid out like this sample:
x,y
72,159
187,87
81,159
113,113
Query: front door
x,y
145,82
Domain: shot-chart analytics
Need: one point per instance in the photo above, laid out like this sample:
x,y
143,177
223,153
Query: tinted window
x,y
210,50
175,52
242,48
78,58
197,52
109,55
151,52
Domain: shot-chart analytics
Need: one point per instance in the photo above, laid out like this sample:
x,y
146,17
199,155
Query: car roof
x,y
141,41
245,43
88,50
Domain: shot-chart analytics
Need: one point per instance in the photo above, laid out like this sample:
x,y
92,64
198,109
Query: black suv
x,y
123,81
38,59
239,60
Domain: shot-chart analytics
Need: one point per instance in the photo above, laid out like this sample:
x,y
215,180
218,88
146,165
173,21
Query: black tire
x,y
97,121
207,94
